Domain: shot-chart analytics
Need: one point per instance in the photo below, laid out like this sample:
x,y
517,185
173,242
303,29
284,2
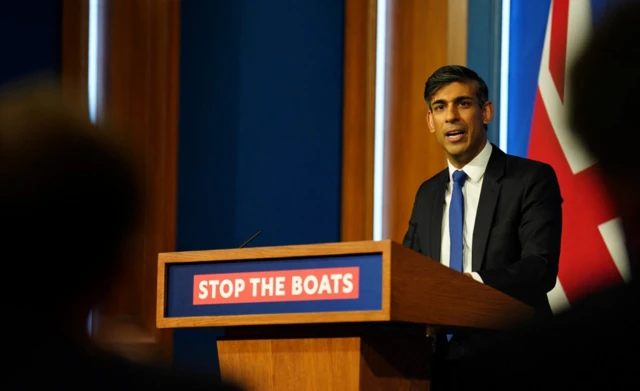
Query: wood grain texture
x,y
368,362
457,27
292,364
415,289
398,362
293,251
273,319
358,120
418,45
75,48
425,291
141,57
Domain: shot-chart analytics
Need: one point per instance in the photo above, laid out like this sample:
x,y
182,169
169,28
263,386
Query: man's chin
x,y
457,150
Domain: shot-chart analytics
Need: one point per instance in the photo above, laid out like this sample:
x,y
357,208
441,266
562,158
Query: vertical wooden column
x,y
417,46
421,36
457,30
358,119
75,47
138,91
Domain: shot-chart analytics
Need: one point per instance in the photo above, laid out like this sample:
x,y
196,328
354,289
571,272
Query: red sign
x,y
276,286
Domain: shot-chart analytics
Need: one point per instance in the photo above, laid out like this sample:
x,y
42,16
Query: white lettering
x,y
267,286
325,285
226,289
280,286
203,290
296,285
254,286
310,290
347,284
239,286
336,282
214,286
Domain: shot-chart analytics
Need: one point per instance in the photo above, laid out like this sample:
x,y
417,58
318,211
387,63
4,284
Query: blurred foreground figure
x,y
595,345
68,205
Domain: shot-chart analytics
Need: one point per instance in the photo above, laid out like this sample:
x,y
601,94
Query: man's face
x,y
458,121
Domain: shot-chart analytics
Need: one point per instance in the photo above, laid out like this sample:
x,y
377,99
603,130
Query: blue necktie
x,y
456,221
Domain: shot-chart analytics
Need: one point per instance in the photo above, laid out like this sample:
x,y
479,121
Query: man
x,y
494,217
69,205
595,344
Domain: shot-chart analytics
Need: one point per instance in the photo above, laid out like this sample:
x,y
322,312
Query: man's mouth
x,y
454,135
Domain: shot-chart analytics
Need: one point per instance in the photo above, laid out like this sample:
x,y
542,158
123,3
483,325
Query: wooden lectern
x,y
338,316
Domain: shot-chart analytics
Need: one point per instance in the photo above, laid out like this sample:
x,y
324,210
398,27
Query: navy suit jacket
x,y
516,238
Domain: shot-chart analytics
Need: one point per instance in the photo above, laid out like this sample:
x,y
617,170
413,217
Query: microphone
x,y
250,239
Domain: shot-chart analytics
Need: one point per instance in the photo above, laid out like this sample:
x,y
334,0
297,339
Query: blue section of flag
x,y
528,23
180,276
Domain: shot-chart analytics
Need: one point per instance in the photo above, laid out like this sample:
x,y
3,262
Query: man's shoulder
x,y
435,181
520,161
521,166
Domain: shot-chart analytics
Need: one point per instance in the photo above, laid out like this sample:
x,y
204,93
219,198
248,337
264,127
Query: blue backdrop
x,y
483,52
260,131
30,38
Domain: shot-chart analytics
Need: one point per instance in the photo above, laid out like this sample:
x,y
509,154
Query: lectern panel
x,y
343,316
275,286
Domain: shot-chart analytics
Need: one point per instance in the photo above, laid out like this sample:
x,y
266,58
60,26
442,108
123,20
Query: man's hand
x,y
468,275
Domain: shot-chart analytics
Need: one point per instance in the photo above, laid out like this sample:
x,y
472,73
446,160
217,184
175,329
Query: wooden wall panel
x,y
358,120
140,92
457,30
417,47
422,35
75,46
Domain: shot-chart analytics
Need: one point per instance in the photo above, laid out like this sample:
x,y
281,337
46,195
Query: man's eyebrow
x,y
457,99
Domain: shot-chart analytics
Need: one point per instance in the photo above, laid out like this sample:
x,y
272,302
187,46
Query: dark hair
x,y
454,73
604,84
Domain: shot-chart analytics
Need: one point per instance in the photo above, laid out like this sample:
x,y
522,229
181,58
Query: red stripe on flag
x,y
586,266
558,47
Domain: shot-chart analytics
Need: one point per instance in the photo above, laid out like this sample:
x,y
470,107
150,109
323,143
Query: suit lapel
x,y
437,208
489,195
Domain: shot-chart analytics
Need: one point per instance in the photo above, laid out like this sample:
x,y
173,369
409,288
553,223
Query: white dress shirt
x,y
471,192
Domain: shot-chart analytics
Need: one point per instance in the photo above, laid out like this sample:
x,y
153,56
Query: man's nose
x,y
452,114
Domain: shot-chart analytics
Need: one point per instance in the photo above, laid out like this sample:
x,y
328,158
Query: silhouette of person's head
x,y
68,205
602,107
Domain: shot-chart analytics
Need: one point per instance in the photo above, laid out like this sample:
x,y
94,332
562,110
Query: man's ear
x,y
487,112
432,128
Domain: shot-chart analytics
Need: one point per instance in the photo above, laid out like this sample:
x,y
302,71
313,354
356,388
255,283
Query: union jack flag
x,y
545,37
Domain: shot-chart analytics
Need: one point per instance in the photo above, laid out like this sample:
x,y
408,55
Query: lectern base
x,y
378,362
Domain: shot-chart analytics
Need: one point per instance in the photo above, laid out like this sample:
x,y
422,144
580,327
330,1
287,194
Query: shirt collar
x,y
475,168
